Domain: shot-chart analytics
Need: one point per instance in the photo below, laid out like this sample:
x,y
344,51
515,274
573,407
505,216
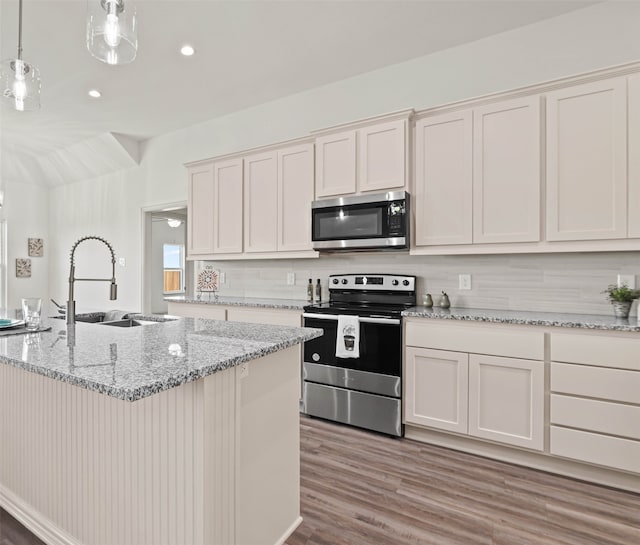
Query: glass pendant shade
x,y
20,80
112,30
20,84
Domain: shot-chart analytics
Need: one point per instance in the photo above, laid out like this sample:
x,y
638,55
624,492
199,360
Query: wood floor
x,y
359,488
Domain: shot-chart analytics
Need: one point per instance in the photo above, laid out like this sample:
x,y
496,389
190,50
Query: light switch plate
x,y
122,261
464,281
223,278
628,279
291,279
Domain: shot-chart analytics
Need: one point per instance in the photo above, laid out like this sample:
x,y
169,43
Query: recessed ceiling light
x,y
94,93
187,50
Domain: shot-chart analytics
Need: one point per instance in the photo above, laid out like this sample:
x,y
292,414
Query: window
x,y
173,264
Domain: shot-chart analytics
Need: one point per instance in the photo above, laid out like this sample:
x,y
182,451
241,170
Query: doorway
x,y
166,272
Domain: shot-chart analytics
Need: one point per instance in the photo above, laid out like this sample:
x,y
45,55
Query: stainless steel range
x,y
353,373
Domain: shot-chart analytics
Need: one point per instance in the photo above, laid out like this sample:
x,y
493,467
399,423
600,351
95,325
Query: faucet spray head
x,y
113,294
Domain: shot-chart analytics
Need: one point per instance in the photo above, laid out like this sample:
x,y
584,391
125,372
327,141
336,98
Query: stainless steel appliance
x,y
353,373
363,222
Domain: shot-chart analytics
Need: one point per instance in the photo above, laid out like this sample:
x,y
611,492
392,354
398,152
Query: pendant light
x,y
20,80
112,30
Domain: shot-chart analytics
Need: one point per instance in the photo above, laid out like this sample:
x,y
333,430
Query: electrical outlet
x,y
464,281
122,261
628,279
223,278
291,279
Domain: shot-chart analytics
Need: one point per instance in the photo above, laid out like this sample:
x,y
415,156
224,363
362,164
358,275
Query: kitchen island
x,y
178,432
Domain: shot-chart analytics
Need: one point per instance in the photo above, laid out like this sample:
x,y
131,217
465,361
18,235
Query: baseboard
x,y
535,460
289,531
32,520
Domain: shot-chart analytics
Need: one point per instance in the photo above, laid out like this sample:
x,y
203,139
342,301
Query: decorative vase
x,y
621,308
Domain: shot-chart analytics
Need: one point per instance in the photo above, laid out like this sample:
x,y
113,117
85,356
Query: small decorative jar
x,y
427,301
444,301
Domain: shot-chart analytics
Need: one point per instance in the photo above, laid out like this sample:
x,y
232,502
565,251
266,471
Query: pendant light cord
x,y
20,30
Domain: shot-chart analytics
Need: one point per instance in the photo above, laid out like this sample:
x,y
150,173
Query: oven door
x,y
378,369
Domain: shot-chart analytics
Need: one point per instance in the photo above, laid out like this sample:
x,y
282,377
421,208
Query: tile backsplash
x,y
541,282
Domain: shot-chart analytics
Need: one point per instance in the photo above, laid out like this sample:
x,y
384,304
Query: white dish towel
x,y
348,337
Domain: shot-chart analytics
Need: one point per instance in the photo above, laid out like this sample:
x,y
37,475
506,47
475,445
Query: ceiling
x,y
247,53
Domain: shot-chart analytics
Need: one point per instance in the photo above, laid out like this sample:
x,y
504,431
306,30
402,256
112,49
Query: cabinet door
x,y
587,161
261,202
634,155
295,193
436,389
200,209
382,156
506,171
443,192
506,400
336,164
227,233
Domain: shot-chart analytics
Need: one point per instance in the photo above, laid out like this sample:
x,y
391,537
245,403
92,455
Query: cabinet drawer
x,y
480,339
597,449
261,316
599,416
198,310
620,352
582,380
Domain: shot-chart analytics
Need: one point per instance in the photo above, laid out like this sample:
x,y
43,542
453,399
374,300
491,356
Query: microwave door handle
x,y
366,320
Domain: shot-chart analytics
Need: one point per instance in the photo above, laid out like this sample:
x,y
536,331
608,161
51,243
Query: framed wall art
x,y
23,268
36,247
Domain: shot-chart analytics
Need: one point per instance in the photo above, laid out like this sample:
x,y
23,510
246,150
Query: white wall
x,y
600,36
108,207
26,213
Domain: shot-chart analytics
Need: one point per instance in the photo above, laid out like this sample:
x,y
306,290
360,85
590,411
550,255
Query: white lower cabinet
x,y
595,399
252,315
452,388
506,400
437,388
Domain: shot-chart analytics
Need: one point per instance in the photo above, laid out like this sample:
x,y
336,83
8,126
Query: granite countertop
x,y
206,299
584,321
136,362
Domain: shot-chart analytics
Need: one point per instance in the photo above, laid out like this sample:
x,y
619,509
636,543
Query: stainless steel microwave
x,y
363,222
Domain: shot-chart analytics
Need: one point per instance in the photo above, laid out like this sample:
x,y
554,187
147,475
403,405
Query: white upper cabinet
x,y
336,164
364,159
587,161
200,206
295,193
506,171
382,156
444,178
278,190
227,209
261,202
478,175
633,150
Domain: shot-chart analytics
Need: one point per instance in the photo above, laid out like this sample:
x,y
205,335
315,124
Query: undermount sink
x,y
99,318
123,323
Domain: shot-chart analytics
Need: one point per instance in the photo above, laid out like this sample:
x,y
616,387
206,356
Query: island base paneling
x,y
180,466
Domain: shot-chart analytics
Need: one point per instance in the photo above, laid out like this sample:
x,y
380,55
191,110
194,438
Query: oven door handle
x,y
363,319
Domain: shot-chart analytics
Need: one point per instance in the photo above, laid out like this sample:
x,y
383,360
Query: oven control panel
x,y
387,282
